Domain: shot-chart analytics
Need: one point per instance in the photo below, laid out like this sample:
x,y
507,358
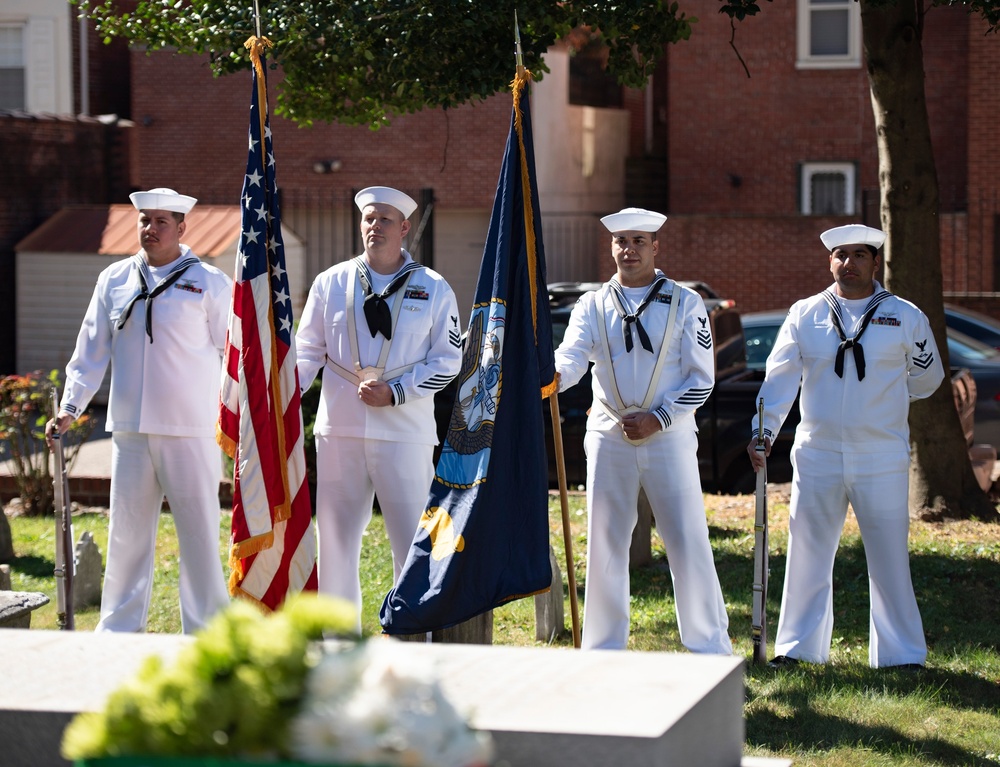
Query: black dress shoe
x,y
906,667
783,661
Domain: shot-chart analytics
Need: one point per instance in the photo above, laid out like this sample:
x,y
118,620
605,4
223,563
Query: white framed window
x,y
828,189
828,34
36,73
12,70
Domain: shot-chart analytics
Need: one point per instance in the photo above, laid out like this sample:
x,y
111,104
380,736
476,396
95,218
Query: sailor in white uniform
x,y
384,331
651,344
860,355
159,318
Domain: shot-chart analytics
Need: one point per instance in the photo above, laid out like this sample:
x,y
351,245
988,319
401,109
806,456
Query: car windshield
x,y
760,334
978,326
961,345
760,340
559,325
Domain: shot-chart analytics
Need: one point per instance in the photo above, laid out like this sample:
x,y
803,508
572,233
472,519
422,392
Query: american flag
x,y
273,545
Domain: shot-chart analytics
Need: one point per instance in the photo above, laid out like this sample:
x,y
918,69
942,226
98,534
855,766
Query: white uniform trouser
x,y
876,485
666,466
143,468
350,471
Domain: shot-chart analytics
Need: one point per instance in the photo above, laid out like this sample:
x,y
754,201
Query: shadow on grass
x,y
804,692
34,566
956,596
725,533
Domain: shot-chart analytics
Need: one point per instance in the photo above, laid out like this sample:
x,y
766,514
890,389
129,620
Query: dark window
x,y
11,67
827,193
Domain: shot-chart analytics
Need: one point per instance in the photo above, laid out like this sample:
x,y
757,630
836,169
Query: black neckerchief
x,y
852,343
620,301
376,309
146,277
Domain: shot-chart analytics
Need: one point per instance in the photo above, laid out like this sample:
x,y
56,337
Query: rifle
x,y
760,564
64,529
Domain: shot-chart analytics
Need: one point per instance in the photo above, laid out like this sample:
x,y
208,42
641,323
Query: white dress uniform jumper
x,y
163,331
364,451
652,351
860,363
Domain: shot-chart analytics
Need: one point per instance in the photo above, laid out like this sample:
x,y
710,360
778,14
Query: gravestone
x,y
550,618
4,577
476,630
87,573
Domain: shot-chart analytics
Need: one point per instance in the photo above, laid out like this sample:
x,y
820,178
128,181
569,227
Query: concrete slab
x,y
46,677
545,707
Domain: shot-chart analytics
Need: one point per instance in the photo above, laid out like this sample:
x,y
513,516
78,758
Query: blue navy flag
x,y
483,539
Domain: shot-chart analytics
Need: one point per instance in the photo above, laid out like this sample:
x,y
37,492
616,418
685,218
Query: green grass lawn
x,y
843,714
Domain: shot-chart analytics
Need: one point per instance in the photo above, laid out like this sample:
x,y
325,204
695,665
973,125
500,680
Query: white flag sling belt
x,y
378,371
611,384
64,530
760,546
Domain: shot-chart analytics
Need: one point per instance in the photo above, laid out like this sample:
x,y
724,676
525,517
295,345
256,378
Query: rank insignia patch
x,y
925,359
704,335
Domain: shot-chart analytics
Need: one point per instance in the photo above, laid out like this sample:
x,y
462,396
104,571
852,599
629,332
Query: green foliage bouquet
x,y
255,688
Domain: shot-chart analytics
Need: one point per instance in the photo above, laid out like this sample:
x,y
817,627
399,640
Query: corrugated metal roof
x,y
110,230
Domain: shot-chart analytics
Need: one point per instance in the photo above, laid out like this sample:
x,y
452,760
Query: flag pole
x,y
557,441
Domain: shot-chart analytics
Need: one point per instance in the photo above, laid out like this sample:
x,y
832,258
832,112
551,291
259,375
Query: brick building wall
x,y
726,126
108,73
723,161
191,130
736,144
49,162
984,165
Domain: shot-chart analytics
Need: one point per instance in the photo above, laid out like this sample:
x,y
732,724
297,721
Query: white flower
x,y
371,706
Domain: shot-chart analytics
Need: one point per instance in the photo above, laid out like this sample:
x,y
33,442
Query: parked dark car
x,y
982,360
984,363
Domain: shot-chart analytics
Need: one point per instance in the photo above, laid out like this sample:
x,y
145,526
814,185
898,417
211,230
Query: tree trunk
x,y
942,482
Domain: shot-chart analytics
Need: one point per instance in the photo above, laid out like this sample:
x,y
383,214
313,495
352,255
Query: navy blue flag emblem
x,y
483,538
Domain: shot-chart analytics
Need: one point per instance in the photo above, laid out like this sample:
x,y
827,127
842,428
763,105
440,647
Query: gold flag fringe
x,y
521,80
258,47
